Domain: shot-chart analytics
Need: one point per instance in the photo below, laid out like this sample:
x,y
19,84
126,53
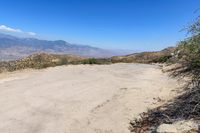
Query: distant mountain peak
x,y
12,47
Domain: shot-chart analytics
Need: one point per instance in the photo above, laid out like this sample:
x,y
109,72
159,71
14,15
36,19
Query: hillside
x,y
182,113
44,60
145,57
39,61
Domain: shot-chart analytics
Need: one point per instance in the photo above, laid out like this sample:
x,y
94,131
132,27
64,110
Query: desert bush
x,y
62,61
188,54
89,61
98,61
92,61
162,59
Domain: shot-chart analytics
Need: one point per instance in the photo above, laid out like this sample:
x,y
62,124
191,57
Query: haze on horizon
x,y
109,24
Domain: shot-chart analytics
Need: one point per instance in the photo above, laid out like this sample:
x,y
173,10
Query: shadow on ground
x,y
184,107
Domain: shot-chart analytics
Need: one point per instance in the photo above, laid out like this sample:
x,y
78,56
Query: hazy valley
x,y
12,48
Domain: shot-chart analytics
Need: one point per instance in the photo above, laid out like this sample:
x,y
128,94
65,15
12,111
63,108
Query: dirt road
x,y
81,98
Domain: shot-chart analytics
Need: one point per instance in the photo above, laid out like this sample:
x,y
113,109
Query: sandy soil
x,y
81,98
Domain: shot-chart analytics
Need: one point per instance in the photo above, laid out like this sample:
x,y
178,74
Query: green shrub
x,y
90,61
162,59
188,54
62,61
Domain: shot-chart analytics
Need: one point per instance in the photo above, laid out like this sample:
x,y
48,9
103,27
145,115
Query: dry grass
x,y
145,57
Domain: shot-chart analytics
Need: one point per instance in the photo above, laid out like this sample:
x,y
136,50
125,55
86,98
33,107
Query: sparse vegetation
x,y
162,59
99,61
90,61
146,57
40,61
187,105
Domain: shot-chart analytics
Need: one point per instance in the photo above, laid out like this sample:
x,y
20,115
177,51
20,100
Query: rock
x,y
178,127
167,128
172,67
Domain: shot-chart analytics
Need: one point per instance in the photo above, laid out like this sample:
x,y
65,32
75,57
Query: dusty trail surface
x,y
80,98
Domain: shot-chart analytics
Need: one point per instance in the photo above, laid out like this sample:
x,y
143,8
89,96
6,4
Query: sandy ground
x,y
81,98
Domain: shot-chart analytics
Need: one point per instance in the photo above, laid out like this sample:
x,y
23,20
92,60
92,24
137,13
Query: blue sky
x,y
111,24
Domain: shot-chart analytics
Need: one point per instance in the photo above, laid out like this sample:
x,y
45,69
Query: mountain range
x,y
12,48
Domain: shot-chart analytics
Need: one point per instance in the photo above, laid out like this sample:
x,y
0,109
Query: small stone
x,y
166,128
178,127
